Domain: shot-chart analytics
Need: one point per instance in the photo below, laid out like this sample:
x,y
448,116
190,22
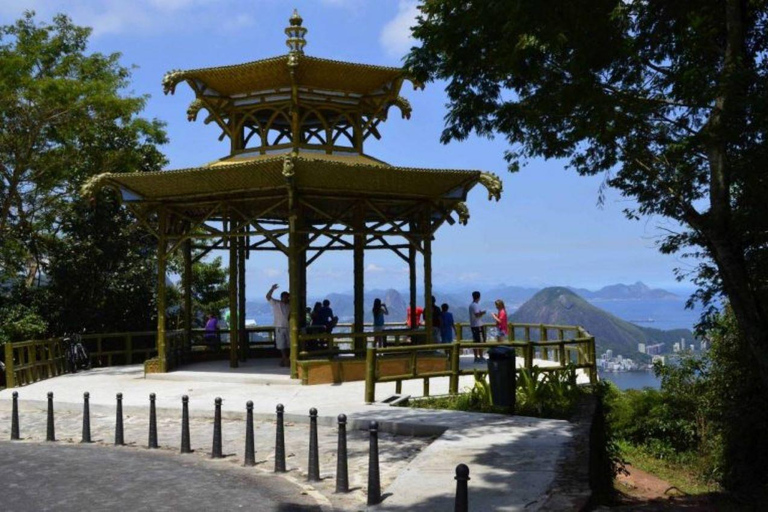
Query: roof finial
x,y
295,33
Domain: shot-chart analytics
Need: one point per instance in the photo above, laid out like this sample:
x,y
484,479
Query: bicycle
x,y
76,353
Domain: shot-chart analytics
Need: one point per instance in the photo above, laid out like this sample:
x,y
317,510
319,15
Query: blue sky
x,y
546,230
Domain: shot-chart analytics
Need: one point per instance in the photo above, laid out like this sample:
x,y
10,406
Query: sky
x,y
547,229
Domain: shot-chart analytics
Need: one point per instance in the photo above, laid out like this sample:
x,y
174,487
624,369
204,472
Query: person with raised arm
x,y
281,310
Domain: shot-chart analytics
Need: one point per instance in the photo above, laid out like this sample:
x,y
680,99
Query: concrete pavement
x,y
512,460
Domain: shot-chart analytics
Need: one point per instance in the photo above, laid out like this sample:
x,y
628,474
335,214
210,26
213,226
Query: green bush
x,y
711,409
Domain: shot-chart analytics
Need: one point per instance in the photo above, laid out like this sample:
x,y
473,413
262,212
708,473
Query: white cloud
x,y
272,272
395,37
372,268
108,17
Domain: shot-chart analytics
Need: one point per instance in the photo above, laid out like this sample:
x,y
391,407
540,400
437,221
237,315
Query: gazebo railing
x,y
577,351
34,360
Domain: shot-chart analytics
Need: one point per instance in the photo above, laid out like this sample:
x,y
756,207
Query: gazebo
x,y
297,181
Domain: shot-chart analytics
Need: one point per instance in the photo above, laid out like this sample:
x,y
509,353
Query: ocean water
x,y
632,380
658,314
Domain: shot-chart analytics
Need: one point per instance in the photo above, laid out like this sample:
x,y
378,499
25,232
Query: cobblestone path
x,y
395,451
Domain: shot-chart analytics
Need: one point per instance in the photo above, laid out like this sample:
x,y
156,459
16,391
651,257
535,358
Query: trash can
x,y
502,376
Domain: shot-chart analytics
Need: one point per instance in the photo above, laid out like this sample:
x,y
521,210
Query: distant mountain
x,y
561,306
637,291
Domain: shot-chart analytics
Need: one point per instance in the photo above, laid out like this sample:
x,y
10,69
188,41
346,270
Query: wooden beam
x,y
359,275
233,309
243,338
412,286
428,320
294,279
187,284
161,295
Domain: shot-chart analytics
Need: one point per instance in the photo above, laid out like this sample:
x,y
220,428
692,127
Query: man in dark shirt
x,y
436,321
326,316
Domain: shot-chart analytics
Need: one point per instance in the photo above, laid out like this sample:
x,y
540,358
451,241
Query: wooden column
x,y
426,229
412,284
233,274
187,282
359,274
162,255
294,278
243,338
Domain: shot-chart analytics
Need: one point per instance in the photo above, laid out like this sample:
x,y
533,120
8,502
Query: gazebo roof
x,y
320,174
275,73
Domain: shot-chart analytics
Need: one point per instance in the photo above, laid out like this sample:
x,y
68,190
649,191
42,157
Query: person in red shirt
x,y
502,324
419,316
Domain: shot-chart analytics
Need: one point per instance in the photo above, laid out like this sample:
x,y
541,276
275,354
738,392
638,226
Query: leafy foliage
x,y
63,118
66,264
667,100
711,413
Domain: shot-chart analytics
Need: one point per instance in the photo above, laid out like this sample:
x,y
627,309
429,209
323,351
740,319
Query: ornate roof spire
x,y
295,33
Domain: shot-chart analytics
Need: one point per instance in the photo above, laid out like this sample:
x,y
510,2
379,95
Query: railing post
x,y
342,470
592,362
370,375
561,348
10,372
15,418
128,349
453,387
426,386
462,495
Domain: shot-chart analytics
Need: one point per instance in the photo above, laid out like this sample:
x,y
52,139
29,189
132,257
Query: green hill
x,y
559,305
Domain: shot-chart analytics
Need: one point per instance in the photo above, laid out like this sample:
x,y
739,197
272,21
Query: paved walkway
x,y
512,460
73,478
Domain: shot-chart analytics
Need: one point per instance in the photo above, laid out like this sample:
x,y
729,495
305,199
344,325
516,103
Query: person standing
x,y
327,318
476,324
446,324
379,310
211,335
502,325
436,321
281,310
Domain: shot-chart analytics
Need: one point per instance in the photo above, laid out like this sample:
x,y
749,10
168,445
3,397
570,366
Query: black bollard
x,y
86,418
50,431
374,482
185,448
216,450
152,423
342,472
119,441
15,418
313,471
250,451
280,442
462,494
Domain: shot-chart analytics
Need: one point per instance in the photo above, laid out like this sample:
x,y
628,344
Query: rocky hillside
x,y
559,305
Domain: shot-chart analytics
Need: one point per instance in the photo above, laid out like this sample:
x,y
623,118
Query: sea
x,y
663,314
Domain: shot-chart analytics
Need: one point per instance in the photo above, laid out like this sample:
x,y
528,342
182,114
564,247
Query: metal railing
x,y
577,351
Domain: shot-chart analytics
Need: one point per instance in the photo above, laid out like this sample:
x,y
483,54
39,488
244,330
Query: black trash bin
x,y
502,376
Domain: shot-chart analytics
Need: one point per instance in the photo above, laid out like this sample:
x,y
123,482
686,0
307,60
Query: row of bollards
x,y
313,471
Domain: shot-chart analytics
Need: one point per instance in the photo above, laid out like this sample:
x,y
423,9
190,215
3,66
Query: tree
x,y
101,271
63,118
66,264
668,99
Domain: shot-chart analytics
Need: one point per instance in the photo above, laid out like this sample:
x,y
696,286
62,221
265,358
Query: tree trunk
x,y
745,300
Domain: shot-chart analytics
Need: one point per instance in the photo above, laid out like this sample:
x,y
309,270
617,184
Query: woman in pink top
x,y
502,327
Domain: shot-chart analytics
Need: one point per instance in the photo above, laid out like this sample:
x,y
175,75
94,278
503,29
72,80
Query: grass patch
x,y
683,470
